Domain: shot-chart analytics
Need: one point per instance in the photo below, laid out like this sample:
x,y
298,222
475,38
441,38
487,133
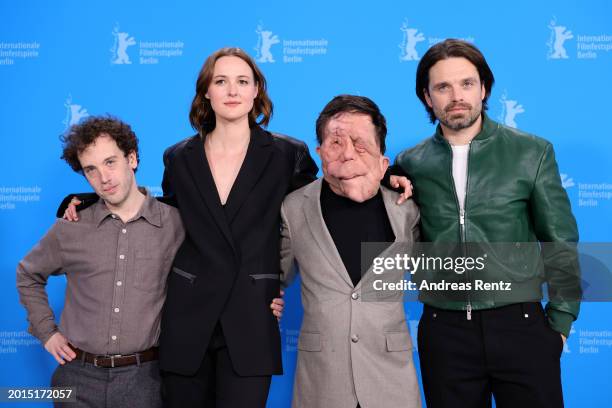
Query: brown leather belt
x,y
117,360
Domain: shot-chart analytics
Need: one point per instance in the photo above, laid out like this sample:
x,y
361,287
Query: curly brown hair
x,y
83,134
202,116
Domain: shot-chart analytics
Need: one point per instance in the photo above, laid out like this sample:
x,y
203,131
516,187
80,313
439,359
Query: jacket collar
x,y
255,161
489,129
319,230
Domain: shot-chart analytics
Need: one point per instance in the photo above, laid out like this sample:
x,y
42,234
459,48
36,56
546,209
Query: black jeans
x,y
509,353
216,384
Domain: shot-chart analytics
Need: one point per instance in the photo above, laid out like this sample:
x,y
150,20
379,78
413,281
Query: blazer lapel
x,y
255,161
314,218
396,218
398,225
203,179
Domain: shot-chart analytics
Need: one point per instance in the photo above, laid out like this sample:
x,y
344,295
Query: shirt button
x,y
116,310
113,216
124,231
119,283
355,296
354,338
113,337
121,256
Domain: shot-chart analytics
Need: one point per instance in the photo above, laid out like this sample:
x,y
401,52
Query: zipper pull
x,y
469,311
462,217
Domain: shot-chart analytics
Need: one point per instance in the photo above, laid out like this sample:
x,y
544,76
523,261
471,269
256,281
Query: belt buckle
x,y
112,359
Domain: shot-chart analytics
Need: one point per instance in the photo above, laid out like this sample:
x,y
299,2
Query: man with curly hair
x,y
116,260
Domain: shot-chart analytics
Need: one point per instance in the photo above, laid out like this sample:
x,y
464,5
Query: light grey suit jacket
x,y
349,349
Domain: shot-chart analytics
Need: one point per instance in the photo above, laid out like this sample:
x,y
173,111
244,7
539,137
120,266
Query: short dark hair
x,y
202,116
353,104
451,48
83,134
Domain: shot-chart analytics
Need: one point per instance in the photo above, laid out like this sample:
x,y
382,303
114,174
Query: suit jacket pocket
x,y
399,341
309,341
189,276
258,276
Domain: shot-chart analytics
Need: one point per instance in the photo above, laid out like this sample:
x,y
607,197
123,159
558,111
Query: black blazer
x,y
227,269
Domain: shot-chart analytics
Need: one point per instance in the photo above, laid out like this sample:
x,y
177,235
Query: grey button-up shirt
x,y
116,277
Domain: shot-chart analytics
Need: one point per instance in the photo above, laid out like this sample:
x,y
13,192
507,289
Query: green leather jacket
x,y
513,196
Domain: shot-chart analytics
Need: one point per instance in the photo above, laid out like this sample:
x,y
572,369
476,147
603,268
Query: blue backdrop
x,y
61,61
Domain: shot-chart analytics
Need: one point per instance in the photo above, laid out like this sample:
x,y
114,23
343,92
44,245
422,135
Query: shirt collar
x,y
150,211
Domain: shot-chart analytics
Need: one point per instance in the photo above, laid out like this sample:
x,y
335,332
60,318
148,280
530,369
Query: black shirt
x,y
350,223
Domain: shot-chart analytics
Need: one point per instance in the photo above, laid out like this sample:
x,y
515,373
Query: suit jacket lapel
x,y
256,159
203,179
398,225
396,217
314,218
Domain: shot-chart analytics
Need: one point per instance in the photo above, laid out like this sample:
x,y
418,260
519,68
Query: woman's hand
x,y
277,306
71,213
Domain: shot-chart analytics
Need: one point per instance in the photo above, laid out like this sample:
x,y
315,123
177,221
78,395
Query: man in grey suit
x,y
351,352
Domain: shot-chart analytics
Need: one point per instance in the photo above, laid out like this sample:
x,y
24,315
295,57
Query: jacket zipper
x,y
468,307
461,214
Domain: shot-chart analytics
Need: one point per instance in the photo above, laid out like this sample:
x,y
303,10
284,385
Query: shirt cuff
x,y
44,334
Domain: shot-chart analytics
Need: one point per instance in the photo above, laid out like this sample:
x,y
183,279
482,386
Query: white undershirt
x,y
460,162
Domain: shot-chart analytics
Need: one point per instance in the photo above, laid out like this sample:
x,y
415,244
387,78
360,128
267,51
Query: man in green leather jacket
x,y
477,181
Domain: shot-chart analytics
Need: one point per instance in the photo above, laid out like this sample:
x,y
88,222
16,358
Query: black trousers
x,y
509,353
216,384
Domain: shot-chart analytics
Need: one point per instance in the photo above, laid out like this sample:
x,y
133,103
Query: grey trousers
x,y
133,386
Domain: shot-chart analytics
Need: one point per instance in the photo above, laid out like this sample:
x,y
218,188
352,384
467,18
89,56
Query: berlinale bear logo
x,y
558,36
510,108
265,41
74,113
408,46
118,51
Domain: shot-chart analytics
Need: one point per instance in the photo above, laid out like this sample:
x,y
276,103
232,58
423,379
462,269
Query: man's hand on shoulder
x,y
405,184
59,348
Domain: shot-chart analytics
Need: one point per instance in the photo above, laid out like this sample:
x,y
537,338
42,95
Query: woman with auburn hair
x,y
219,342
